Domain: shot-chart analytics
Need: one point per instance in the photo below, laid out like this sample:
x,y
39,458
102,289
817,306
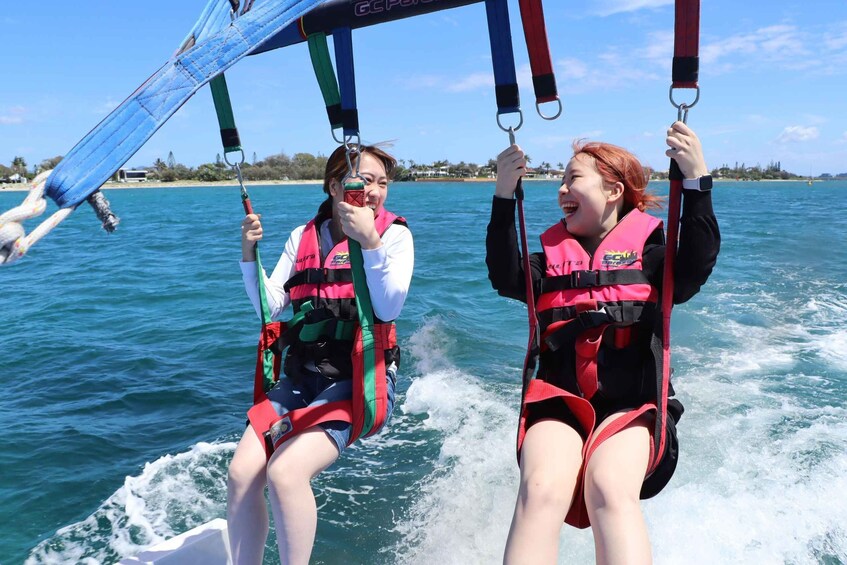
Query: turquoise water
x,y
127,358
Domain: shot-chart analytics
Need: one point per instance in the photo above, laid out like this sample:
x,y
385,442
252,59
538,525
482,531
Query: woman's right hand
x,y
251,232
511,166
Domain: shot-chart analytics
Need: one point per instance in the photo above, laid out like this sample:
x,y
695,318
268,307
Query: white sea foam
x,y
462,510
171,494
763,467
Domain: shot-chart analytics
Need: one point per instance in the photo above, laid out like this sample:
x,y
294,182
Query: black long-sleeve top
x,y
699,243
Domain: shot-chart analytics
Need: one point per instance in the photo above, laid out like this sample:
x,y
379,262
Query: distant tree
x,y
561,166
160,165
545,166
171,160
19,165
211,173
254,157
49,164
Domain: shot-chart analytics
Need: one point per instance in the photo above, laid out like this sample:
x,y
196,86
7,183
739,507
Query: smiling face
x,y
372,170
591,206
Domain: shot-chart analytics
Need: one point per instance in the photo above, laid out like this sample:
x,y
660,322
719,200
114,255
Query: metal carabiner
x,y
683,107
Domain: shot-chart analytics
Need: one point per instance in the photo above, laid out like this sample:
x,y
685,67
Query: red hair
x,y
616,164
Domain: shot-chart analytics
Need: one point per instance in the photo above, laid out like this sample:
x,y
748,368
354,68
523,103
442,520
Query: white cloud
x,y
471,82
798,133
609,7
14,115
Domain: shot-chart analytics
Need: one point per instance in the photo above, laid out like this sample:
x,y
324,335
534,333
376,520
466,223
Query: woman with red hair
x,y
587,441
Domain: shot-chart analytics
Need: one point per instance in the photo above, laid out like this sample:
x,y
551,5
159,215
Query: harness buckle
x,y
585,279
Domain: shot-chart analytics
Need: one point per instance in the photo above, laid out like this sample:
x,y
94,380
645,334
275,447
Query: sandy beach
x,y
18,187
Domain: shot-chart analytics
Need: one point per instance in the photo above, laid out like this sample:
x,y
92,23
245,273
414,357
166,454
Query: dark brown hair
x,y
336,168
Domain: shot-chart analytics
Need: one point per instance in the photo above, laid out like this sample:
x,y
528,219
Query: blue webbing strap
x,y
342,39
500,35
109,145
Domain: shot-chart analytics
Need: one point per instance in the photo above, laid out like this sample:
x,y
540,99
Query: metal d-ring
x,y
683,107
551,118
241,162
511,128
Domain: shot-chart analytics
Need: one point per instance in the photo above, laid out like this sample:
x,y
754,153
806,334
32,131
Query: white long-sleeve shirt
x,y
388,270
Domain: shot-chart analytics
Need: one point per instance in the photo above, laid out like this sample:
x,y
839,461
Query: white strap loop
x,y
14,243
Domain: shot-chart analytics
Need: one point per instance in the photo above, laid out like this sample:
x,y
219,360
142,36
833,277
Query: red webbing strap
x,y
674,203
533,344
270,333
686,44
535,32
273,429
384,339
538,390
577,515
586,346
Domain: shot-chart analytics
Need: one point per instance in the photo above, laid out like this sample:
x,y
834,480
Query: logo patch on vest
x,y
280,429
619,258
340,258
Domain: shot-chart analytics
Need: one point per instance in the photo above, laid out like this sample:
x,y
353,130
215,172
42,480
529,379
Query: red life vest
x,y
325,331
587,305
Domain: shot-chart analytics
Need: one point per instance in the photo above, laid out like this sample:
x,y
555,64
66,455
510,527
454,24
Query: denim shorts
x,y
315,390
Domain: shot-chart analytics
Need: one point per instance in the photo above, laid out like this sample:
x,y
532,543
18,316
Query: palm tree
x,y
19,165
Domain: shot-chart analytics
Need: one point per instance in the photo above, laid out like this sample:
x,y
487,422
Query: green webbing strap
x,y
325,74
366,321
223,107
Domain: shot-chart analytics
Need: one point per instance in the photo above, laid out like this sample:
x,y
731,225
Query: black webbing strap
x,y
318,276
624,313
590,279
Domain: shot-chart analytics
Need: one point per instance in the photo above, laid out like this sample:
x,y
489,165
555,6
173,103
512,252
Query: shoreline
x,y
25,187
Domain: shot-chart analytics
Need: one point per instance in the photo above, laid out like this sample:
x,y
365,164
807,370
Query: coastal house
x,y
16,178
132,175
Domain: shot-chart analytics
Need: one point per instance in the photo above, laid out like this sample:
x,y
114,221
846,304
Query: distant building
x,y
132,175
16,178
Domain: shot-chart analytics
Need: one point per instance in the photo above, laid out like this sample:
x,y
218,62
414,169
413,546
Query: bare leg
x,y
551,457
246,511
613,478
290,472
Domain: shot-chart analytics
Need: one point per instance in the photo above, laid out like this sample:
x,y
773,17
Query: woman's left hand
x,y
686,150
357,223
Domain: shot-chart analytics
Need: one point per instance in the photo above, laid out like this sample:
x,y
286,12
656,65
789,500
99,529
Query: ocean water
x,y
127,369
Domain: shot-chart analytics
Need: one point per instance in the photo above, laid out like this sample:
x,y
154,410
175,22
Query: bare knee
x,y
604,490
246,474
545,491
283,476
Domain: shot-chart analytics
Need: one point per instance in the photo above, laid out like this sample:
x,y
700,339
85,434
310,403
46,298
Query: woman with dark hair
x,y
321,371
588,428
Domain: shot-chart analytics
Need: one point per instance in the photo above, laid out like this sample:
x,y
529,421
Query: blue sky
x,y
772,75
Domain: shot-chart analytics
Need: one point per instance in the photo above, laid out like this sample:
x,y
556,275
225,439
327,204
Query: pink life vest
x,y
328,281
324,330
581,297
